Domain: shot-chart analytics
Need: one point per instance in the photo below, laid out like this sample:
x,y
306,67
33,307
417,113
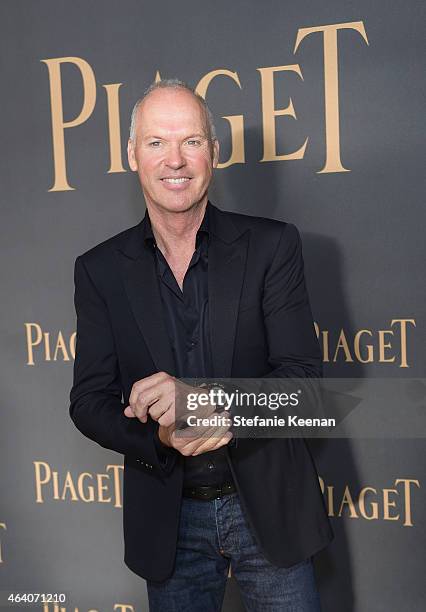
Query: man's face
x,y
172,153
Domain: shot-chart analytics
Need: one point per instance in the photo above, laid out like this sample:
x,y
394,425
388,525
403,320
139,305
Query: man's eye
x,y
155,143
194,143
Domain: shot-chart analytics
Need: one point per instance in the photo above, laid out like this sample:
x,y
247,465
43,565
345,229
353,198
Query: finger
x,y
137,388
146,398
208,448
164,411
205,440
158,399
147,383
224,440
204,429
140,393
143,402
213,443
168,416
161,408
128,412
187,440
140,411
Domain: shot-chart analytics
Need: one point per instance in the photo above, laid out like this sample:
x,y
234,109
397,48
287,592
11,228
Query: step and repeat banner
x,y
318,108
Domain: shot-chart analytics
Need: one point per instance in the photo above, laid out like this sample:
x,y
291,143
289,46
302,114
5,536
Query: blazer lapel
x,y
226,268
141,284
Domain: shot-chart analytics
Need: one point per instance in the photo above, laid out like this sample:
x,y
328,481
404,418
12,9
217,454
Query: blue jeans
x,y
212,536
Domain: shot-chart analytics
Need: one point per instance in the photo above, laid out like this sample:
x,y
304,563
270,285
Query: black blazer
x,y
261,325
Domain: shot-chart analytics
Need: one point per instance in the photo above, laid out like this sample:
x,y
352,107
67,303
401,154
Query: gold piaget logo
x,y
372,503
47,345
389,345
271,111
367,345
87,487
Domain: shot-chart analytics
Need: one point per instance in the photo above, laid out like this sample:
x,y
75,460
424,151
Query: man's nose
x,y
175,159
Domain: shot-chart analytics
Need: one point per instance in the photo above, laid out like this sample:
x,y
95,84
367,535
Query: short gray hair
x,y
173,84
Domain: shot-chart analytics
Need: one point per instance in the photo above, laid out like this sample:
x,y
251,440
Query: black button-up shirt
x,y
187,321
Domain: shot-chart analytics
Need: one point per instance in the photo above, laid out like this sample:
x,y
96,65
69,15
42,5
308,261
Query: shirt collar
x,y
203,230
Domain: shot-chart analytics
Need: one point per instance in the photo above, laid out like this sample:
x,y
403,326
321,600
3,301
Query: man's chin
x,y
177,204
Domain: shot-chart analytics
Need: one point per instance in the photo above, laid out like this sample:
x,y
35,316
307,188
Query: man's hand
x,y
196,440
156,395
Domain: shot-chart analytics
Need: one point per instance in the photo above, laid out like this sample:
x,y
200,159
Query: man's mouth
x,y
176,181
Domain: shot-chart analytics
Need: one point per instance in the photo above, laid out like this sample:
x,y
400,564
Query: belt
x,y
209,493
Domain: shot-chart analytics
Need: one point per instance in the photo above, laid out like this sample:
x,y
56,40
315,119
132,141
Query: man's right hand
x,y
202,439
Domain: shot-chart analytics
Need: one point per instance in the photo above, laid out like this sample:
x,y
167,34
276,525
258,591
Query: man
x,y
193,291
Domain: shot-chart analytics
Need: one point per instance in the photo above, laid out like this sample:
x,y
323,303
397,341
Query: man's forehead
x,y
172,110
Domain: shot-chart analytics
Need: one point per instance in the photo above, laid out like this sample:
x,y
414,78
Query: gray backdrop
x,y
363,237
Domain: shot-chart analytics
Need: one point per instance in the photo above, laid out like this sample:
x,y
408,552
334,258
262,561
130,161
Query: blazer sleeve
x,y
96,406
293,346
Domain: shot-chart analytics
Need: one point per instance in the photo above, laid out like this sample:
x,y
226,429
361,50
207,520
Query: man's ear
x,y
131,155
215,153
